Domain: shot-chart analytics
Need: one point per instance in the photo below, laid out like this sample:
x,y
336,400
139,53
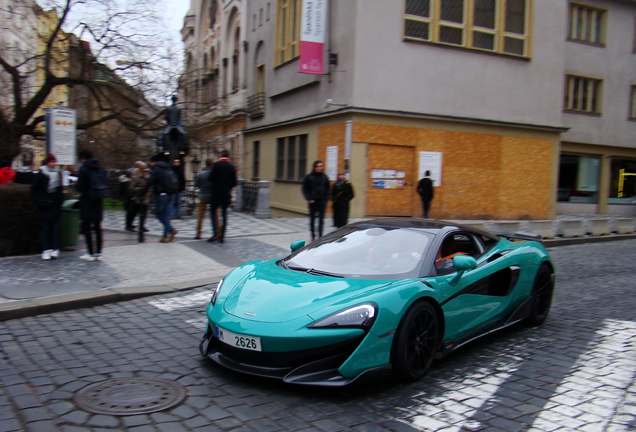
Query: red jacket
x,y
6,175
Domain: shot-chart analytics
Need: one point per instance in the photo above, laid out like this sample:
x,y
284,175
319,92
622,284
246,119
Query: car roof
x,y
431,225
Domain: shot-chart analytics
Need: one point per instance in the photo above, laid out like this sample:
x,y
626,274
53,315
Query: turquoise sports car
x,y
380,294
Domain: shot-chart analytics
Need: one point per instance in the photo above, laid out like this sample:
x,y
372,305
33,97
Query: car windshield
x,y
368,252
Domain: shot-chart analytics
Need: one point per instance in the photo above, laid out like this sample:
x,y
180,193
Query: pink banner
x,y
311,57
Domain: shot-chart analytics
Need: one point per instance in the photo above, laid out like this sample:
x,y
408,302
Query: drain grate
x,y
129,396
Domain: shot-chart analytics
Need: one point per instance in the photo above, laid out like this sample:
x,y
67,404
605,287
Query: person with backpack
x,y
164,183
92,184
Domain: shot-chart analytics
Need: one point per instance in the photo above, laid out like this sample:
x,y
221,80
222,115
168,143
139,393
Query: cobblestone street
x,y
577,372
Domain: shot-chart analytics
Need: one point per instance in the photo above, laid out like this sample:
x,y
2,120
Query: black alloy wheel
x,y
542,291
416,342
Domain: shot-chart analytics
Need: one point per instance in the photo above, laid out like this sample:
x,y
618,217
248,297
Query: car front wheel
x,y
541,296
416,342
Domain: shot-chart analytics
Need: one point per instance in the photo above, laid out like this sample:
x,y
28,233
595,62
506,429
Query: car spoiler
x,y
519,235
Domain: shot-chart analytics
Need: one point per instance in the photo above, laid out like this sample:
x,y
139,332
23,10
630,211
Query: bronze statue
x,y
173,140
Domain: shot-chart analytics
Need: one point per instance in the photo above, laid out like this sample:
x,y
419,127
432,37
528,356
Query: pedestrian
x,y
425,189
176,203
341,195
316,192
139,178
161,181
128,199
205,191
91,176
46,191
223,179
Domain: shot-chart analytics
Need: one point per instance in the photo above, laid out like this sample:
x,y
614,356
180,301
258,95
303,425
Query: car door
x,y
476,299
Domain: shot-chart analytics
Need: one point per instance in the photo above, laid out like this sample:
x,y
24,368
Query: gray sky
x,y
175,11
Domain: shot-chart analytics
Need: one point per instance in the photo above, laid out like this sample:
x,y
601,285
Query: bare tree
x,y
116,65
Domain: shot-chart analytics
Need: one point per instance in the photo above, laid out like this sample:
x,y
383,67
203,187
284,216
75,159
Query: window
x,y
212,14
623,183
291,157
632,104
579,178
256,156
500,26
587,24
288,30
582,94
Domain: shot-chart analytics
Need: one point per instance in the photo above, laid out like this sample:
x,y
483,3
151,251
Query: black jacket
x,y
223,178
90,208
316,187
48,203
155,181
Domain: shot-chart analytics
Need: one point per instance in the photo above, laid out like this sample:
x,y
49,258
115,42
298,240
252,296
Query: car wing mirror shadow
x,y
462,263
297,245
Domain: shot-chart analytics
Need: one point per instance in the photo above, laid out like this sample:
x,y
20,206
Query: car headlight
x,y
361,316
216,292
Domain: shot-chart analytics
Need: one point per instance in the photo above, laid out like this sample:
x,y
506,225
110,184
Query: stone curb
x,y
59,303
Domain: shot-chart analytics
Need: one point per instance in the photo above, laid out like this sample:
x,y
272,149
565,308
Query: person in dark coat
x,y
425,189
46,191
223,179
341,195
316,192
163,199
91,209
205,189
177,167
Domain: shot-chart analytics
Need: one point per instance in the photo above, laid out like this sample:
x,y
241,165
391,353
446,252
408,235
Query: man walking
x,y
176,198
425,189
316,192
205,191
160,181
91,179
223,178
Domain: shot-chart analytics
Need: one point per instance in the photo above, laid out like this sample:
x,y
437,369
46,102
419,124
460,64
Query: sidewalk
x,y
30,286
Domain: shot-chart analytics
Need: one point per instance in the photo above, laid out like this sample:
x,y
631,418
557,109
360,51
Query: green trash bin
x,y
69,223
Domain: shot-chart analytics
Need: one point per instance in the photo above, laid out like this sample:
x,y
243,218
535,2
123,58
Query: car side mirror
x,y
462,263
297,245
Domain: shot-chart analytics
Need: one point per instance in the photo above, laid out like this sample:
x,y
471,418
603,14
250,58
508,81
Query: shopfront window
x,y
579,178
623,186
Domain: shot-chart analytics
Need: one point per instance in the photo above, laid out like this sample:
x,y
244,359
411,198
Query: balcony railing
x,y
256,105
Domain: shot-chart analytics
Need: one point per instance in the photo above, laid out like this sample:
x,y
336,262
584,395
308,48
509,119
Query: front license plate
x,y
238,341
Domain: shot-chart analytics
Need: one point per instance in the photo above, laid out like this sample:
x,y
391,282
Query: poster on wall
x,y
431,161
332,162
60,134
387,179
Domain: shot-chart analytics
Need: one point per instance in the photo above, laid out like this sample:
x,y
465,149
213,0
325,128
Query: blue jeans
x,y
163,210
176,204
316,210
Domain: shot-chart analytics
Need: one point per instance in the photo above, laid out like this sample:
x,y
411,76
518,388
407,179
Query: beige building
x,y
212,88
520,108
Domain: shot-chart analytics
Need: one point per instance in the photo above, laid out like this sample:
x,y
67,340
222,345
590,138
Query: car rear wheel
x,y
416,342
541,296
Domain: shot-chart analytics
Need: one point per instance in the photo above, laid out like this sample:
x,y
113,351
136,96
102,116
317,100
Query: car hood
x,y
269,293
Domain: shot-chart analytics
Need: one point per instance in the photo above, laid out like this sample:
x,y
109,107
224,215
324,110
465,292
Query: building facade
x,y
520,108
212,89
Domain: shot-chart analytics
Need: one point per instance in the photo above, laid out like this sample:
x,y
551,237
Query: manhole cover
x,y
129,396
